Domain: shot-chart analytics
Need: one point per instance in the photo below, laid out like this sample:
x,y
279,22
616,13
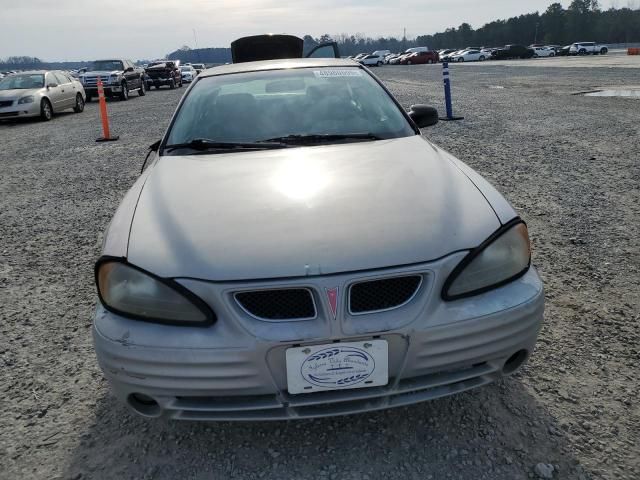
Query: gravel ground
x,y
568,163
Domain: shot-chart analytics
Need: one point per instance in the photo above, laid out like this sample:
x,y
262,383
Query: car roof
x,y
34,72
283,64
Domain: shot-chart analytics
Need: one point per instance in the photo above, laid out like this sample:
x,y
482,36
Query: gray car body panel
x,y
305,211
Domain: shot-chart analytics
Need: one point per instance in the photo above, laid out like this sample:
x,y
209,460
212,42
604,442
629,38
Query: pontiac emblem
x,y
332,296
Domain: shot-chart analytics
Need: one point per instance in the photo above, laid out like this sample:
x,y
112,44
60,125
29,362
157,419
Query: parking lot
x,y
568,163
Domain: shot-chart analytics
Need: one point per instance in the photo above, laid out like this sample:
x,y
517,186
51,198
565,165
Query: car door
x,y
324,50
66,89
133,80
54,92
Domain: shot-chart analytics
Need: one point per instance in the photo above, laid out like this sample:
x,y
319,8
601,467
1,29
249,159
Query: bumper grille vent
x,y
6,103
381,295
286,304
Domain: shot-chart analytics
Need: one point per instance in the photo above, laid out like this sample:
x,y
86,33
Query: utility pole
x,y
195,39
535,40
404,39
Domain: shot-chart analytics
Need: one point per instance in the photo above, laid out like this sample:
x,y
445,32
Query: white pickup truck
x,y
585,48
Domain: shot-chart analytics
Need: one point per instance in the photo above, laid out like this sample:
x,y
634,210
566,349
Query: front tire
x,y
124,95
460,60
79,108
172,85
142,91
604,51
46,111
482,58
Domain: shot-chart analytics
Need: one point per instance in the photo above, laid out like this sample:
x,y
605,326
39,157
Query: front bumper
x,y
159,82
109,90
20,111
235,370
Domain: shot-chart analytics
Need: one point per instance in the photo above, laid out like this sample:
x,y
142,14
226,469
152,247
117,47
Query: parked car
x,y
188,73
419,58
360,56
469,56
417,49
543,52
563,51
199,67
119,77
448,57
585,48
164,73
398,59
40,93
337,261
512,51
372,60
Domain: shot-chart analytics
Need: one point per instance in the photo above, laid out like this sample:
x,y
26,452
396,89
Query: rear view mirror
x,y
423,115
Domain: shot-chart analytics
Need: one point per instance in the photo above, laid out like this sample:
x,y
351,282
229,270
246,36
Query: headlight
x,y
27,99
114,79
127,290
505,256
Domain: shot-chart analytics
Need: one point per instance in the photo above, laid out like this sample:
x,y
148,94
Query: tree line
x,y
583,20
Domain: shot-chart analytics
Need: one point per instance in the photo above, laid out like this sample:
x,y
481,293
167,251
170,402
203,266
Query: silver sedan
x,y
297,249
40,93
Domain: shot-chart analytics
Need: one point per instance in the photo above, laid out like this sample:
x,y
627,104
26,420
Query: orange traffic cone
x,y
103,114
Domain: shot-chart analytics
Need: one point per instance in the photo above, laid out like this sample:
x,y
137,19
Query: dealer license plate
x,y
337,366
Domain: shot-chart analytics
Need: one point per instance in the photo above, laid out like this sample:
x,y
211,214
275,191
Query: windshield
x,y
106,65
22,82
185,69
261,106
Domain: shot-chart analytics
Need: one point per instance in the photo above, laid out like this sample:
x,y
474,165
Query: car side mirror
x,y
129,69
423,115
52,85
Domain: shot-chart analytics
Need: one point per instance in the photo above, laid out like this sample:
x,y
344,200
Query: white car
x,y
469,56
337,261
372,60
585,48
543,52
188,73
40,93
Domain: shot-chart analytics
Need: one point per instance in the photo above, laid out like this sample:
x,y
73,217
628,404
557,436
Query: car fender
x,y
502,208
116,238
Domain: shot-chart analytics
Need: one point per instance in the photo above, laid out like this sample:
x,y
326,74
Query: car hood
x,y
305,211
16,93
101,73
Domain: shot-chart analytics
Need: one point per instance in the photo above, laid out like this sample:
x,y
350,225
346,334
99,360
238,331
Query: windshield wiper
x,y
203,145
328,137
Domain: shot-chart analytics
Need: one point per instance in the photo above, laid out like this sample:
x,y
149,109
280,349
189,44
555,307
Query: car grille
x,y
285,304
93,81
6,103
385,294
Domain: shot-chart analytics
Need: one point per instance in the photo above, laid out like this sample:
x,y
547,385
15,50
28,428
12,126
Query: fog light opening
x,y
515,361
144,405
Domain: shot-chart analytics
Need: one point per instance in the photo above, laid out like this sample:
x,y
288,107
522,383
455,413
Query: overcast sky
x,y
147,29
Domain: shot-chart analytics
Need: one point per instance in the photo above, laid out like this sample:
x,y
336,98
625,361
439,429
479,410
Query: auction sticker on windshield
x,y
338,366
338,72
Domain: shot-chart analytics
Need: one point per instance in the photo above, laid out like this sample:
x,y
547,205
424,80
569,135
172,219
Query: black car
x,y
512,51
563,51
164,72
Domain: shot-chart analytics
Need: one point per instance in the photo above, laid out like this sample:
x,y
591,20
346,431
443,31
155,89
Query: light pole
x,y
535,40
